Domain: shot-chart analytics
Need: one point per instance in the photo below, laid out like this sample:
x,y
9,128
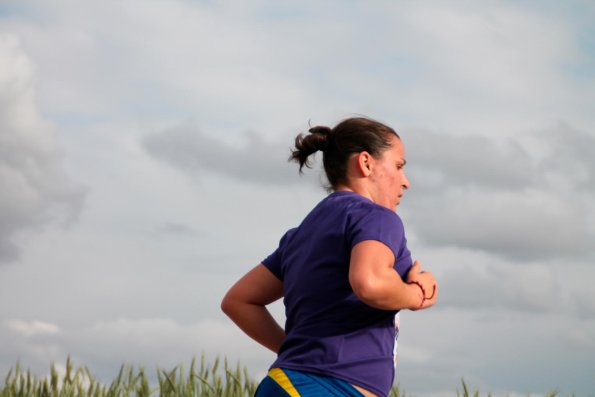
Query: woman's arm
x,y
376,283
245,304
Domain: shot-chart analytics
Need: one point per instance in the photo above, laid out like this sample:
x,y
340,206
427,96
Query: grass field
x,y
202,379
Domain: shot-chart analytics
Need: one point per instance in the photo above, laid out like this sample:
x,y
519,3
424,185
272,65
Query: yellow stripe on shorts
x,y
279,376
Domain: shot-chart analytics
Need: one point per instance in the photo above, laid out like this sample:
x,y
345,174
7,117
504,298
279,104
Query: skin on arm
x,y
245,303
375,281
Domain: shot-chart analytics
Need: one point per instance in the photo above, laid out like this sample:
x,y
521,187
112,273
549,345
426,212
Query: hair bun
x,y
322,130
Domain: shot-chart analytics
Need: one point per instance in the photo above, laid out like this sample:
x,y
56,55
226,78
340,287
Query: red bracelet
x,y
433,293
423,292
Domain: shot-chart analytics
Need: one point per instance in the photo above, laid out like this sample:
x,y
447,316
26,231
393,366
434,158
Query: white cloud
x,y
150,337
103,346
472,88
527,225
182,58
484,68
32,328
527,197
35,188
256,160
495,350
530,288
502,50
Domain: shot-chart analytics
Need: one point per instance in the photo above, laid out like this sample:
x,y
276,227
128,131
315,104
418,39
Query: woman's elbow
x,y
228,304
366,290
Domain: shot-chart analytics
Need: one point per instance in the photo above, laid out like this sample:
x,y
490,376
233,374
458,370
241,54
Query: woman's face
x,y
388,176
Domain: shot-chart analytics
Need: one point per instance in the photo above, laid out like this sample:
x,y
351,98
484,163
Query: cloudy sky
x,y
143,148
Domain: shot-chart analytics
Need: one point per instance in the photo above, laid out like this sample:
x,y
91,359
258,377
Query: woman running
x,y
344,273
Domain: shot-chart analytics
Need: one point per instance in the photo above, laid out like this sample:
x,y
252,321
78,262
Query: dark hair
x,y
352,135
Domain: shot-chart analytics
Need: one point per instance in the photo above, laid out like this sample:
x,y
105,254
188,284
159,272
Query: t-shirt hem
x,y
356,382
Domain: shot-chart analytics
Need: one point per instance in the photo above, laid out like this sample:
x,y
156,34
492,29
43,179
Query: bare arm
x,y
376,283
245,304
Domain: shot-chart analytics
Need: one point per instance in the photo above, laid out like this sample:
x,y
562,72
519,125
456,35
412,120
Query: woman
x,y
344,272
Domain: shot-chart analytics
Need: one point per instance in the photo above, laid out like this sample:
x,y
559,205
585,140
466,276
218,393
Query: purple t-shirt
x,y
329,330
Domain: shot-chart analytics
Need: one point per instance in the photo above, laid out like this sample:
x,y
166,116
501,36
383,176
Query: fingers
x,y
413,271
431,292
415,268
425,278
429,302
427,281
429,286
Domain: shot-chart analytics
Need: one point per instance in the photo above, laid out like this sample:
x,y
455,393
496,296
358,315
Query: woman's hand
x,y
426,283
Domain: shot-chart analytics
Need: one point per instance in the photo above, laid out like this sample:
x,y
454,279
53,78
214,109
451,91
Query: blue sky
x,y
143,149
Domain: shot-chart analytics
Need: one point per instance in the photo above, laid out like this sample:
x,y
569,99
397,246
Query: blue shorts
x,y
287,383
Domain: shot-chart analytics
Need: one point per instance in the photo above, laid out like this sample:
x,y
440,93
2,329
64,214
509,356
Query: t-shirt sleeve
x,y
382,225
274,261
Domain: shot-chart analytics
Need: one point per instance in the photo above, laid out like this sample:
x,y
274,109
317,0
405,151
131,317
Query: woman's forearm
x,y
388,292
245,303
257,322
376,282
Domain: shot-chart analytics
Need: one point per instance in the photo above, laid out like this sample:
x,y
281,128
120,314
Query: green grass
x,y
202,379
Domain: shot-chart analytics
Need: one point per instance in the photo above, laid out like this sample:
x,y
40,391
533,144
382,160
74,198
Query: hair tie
x,y
319,136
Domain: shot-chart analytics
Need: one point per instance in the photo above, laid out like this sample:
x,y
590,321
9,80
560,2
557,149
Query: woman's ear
x,y
365,162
